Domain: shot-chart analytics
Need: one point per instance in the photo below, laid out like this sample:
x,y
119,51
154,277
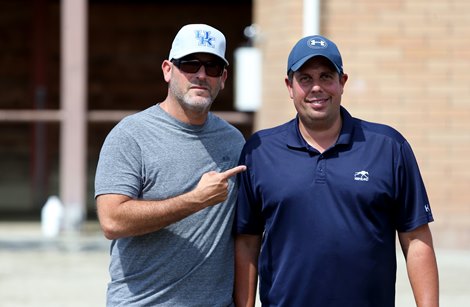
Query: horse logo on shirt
x,y
361,176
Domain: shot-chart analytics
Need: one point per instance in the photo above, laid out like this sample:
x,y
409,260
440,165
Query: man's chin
x,y
199,105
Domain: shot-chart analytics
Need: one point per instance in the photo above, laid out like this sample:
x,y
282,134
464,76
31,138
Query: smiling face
x,y
316,89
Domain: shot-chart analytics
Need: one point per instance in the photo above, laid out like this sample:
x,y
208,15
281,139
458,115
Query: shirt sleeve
x,y
248,218
414,209
119,166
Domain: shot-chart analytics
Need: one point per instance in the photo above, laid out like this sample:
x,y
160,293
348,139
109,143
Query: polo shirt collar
x,y
295,140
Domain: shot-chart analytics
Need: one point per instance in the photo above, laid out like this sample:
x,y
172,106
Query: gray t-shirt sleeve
x,y
119,166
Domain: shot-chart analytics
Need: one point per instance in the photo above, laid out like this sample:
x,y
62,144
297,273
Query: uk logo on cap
x,y
205,39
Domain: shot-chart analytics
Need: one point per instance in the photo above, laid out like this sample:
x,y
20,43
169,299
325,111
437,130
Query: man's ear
x,y
342,81
167,66
289,86
223,78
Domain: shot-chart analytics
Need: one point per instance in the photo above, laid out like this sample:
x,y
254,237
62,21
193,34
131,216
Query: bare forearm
x,y
423,275
137,217
246,272
421,265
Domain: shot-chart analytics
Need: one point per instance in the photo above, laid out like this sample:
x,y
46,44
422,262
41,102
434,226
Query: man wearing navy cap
x,y
323,197
165,186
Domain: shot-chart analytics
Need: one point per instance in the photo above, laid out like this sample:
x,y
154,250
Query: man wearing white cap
x,y
165,186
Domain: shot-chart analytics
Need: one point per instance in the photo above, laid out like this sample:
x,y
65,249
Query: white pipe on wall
x,y
311,17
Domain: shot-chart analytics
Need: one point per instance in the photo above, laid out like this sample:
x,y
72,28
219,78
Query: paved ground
x,y
72,271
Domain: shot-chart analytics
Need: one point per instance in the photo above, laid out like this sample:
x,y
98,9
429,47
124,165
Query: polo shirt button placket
x,y
321,171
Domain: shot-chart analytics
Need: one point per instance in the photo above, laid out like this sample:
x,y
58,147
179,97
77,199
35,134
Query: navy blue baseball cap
x,y
311,46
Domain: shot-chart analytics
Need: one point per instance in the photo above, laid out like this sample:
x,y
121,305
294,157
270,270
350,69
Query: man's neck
x,y
191,117
321,138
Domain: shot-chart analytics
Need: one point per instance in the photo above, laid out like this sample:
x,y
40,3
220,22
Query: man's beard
x,y
195,103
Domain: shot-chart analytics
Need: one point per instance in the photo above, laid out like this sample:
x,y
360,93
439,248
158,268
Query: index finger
x,y
233,171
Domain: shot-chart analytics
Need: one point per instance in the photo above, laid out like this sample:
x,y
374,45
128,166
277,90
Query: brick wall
x,y
408,64
281,26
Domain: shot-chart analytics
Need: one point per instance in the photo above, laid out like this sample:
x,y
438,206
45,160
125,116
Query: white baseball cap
x,y
194,38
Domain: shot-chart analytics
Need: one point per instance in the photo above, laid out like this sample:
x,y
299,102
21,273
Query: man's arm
x,y
121,216
247,249
421,265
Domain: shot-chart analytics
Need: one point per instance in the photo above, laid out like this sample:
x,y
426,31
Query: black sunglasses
x,y
213,69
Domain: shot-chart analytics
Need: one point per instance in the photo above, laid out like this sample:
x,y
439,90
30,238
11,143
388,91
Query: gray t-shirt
x,y
151,155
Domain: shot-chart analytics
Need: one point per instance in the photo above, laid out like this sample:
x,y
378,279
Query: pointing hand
x,y
213,186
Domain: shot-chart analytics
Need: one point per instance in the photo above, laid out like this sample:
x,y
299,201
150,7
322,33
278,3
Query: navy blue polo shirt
x,y
329,220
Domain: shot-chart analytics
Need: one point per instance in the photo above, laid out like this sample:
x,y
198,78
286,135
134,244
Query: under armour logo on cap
x,y
198,38
313,43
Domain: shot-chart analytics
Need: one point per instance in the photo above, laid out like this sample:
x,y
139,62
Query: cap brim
x,y
179,56
302,61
